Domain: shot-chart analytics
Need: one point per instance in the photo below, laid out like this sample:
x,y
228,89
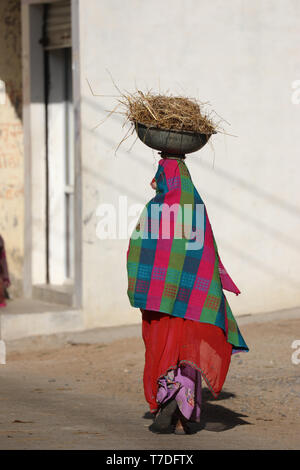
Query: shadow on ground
x,y
215,417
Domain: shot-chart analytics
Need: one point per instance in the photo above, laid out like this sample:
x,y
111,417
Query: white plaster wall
x,y
11,143
241,56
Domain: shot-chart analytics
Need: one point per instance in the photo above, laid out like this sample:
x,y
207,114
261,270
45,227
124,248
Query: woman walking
x,y
176,278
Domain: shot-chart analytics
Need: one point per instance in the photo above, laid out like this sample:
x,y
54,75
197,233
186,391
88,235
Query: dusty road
x,y
65,395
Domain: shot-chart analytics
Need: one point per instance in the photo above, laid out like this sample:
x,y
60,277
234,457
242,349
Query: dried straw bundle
x,y
163,112
167,112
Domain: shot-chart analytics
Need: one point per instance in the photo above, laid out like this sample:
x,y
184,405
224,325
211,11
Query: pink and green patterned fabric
x,y
169,271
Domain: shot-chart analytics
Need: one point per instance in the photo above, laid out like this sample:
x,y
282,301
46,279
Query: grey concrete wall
x,y
241,56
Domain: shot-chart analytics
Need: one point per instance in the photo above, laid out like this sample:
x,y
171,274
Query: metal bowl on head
x,y
171,142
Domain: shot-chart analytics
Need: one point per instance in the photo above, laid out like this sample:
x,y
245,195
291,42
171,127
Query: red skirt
x,y
171,341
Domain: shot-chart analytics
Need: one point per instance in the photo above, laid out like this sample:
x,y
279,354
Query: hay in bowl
x,y
176,113
166,112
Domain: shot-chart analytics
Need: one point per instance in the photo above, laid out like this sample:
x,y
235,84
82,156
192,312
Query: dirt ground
x,y
259,406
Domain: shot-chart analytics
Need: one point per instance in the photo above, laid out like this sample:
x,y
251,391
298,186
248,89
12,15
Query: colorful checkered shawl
x,y
164,273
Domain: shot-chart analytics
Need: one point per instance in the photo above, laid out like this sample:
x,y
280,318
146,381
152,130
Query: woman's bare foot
x,y
182,425
179,429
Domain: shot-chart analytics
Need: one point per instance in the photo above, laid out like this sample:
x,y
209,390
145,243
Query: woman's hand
x,y
153,184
